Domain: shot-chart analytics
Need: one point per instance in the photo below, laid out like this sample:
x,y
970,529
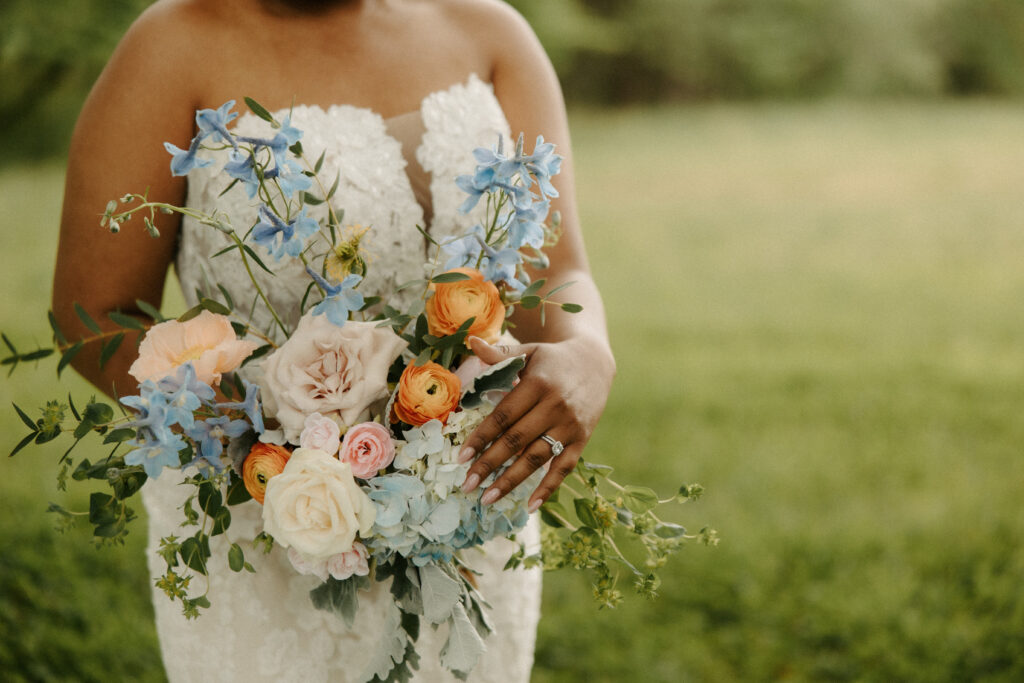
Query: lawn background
x,y
815,310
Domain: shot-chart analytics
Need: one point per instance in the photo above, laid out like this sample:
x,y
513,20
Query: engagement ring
x,y
556,446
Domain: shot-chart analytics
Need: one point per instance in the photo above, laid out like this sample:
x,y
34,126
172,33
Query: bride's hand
x,y
561,394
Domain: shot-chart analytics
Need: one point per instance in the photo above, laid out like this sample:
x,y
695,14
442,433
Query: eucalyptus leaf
x,y
447,278
86,319
150,310
260,111
68,355
110,348
236,558
126,321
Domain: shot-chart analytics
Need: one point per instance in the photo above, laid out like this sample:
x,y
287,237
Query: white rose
x,y
315,506
321,433
335,371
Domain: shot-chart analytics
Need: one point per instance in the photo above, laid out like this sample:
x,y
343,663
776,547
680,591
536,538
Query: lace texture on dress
x,y
262,626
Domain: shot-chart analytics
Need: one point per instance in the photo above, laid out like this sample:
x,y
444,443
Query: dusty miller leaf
x,y
464,645
440,594
391,647
499,377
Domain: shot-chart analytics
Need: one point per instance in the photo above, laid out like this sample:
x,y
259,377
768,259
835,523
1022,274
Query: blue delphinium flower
x,y
528,226
213,123
465,250
184,394
251,406
290,177
340,299
476,186
184,160
243,167
293,234
156,454
543,164
502,267
153,421
210,433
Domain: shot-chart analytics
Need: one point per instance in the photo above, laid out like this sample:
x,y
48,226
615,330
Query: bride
x,y
397,93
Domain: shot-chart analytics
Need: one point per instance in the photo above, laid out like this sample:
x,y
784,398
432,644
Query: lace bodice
x,y
262,626
377,188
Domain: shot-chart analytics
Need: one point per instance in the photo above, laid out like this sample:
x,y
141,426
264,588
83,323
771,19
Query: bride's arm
x,y
143,97
568,376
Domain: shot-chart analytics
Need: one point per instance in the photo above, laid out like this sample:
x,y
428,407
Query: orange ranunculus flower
x,y
425,393
264,461
454,303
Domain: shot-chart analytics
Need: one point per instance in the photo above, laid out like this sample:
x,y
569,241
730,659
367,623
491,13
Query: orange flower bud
x,y
264,461
425,393
454,303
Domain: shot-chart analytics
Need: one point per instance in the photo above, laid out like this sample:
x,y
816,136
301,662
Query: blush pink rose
x,y
367,448
353,563
338,372
321,433
207,340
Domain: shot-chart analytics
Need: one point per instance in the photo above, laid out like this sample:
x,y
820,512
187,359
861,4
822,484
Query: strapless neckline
x,y
407,128
469,81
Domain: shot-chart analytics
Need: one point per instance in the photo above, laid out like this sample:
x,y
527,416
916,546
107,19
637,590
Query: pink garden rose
x,y
207,340
321,433
342,566
367,448
353,563
335,371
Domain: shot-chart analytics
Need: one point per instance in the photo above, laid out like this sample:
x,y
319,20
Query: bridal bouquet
x,y
346,426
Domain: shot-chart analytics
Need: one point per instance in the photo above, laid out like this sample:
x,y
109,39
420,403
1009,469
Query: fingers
x,y
510,441
535,456
499,423
491,354
561,467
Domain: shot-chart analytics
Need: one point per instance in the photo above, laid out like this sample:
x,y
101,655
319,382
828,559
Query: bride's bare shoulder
x,y
496,27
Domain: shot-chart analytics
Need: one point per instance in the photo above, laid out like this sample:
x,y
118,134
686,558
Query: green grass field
x,y
816,314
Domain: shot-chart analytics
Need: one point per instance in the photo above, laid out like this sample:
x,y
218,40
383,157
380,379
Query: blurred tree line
x,y
606,52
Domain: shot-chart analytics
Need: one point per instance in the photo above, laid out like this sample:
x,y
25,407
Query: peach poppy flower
x,y
207,340
454,303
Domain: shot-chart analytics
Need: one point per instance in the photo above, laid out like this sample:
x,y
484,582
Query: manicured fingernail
x,y
471,483
466,454
534,505
490,497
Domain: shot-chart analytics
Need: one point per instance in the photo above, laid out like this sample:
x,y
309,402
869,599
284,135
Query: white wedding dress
x,y
262,626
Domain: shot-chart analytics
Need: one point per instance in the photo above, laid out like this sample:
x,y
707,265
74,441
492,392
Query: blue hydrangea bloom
x,y
339,300
293,234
